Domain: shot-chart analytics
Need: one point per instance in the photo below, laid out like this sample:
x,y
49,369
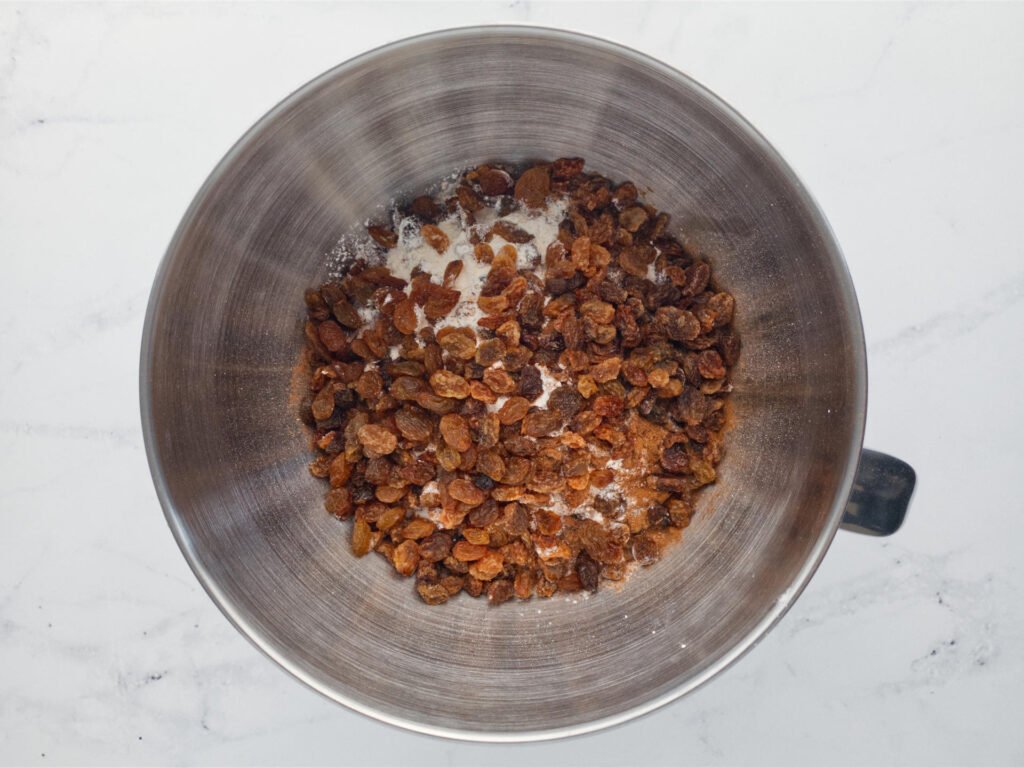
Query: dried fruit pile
x,y
559,435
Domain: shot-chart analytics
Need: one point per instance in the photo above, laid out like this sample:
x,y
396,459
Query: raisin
x,y
710,365
332,336
524,584
491,464
542,423
432,594
435,237
383,236
509,232
679,324
339,502
406,558
483,481
488,430
598,311
635,259
468,199
413,424
417,528
435,403
463,490
451,273
323,404
484,515
625,194
697,277
633,218
489,352
499,381
488,566
608,406
645,550
455,431
483,253
435,547
606,370
513,410
675,459
440,301
404,316
426,209
533,186
346,314
530,384
369,385
473,586
493,181
467,552
588,572
721,306
658,516
499,591
729,346
406,388
520,446
360,538
567,167
450,385
377,440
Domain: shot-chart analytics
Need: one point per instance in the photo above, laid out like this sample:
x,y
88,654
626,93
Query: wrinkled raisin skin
x,y
448,447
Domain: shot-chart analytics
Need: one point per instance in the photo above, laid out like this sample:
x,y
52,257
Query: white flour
x,y
550,385
413,252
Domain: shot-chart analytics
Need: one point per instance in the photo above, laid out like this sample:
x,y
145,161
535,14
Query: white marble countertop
x,y
905,121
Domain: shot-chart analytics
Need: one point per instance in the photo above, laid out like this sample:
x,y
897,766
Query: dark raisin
x,y
588,571
567,167
658,516
484,515
468,199
697,277
530,384
426,209
521,446
493,181
499,591
482,481
566,400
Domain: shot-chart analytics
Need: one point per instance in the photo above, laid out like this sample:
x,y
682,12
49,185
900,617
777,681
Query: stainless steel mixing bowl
x,y
230,460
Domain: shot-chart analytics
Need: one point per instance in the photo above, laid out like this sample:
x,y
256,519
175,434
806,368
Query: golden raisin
x,y
463,490
467,552
406,558
417,528
513,410
377,440
435,237
488,566
404,316
360,538
448,384
455,432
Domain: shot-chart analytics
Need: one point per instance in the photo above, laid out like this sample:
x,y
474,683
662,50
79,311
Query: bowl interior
x,y
230,456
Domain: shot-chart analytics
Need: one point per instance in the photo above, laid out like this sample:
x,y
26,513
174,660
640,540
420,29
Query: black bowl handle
x,y
881,494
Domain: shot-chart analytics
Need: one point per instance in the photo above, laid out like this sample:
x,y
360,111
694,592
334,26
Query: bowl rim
x,y
730,656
